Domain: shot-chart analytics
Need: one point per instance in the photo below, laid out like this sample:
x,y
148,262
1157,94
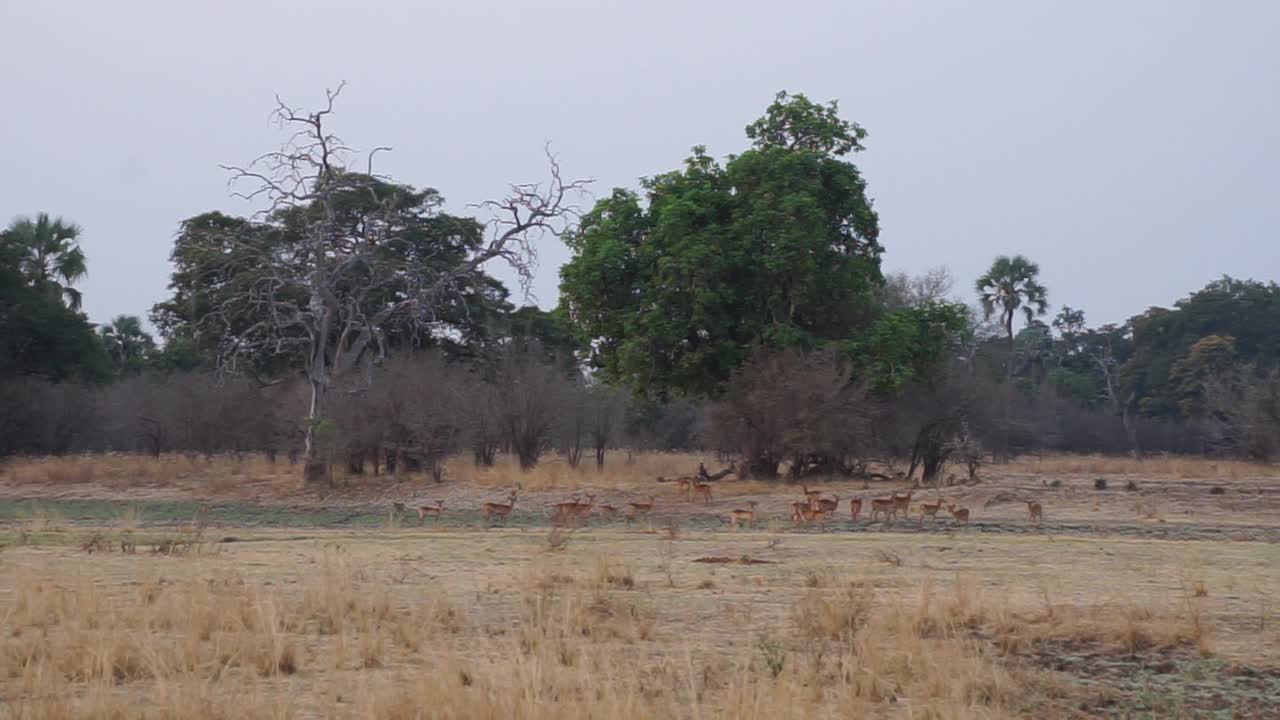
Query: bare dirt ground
x,y
1147,500
1150,600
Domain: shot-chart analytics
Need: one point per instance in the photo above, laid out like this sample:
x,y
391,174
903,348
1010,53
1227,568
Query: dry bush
x,y
824,615
641,473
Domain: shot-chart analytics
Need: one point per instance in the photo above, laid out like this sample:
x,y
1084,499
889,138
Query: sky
x,y
1130,148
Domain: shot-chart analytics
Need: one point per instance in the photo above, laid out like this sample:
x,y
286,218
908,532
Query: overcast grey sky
x,y
1131,148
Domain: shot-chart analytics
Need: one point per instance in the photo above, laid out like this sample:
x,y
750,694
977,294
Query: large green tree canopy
x,y
671,287
1229,321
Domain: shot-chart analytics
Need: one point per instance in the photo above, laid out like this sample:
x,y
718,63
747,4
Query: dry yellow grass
x,y
254,475
410,624
1156,466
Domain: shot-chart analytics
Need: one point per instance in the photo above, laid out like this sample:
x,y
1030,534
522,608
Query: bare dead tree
x,y
329,300
1104,359
606,415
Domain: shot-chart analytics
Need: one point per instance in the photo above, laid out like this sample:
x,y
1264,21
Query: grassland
x,y
122,600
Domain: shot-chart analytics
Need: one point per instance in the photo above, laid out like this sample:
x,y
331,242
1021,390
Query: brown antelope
x,y
748,516
959,513
639,508
562,510
902,502
684,484
582,510
888,506
573,509
703,490
806,514
829,506
810,496
1035,510
500,511
855,507
431,510
930,510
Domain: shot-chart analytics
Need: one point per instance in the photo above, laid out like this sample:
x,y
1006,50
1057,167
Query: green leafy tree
x,y
908,345
671,290
49,257
127,344
1246,311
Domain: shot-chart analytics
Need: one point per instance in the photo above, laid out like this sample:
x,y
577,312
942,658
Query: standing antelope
x,y
888,506
829,506
433,510
703,490
748,516
855,507
684,484
959,513
930,510
1035,510
500,511
810,496
562,510
902,502
806,514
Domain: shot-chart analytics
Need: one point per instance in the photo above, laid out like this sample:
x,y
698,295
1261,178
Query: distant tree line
x,y
736,306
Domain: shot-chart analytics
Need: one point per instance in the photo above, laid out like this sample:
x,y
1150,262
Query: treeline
x,y
736,306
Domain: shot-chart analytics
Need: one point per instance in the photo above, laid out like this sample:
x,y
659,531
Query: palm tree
x,y
1009,286
127,343
50,257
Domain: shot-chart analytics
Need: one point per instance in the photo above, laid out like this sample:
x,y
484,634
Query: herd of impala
x,y
815,507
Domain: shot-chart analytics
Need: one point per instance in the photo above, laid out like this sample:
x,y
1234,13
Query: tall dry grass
x,y
574,641
1157,466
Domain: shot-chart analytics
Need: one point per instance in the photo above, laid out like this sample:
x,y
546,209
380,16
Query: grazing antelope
x,y
855,507
703,490
432,510
1035,510
501,511
959,513
888,506
902,502
748,516
930,510
829,506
